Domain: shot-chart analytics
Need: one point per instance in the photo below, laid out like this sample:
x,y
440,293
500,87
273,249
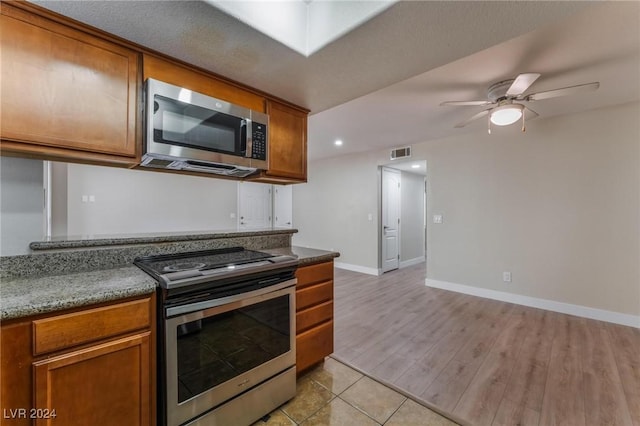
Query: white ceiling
x,y
380,84
304,26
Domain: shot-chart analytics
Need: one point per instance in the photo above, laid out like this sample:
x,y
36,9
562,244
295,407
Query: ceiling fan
x,y
506,97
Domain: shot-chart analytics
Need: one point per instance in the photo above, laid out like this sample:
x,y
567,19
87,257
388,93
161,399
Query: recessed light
x,y
338,142
415,166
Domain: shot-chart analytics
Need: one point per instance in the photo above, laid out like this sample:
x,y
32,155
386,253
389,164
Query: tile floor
x,y
334,394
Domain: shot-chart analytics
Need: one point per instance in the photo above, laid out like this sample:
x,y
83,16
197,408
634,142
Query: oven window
x,y
179,123
215,349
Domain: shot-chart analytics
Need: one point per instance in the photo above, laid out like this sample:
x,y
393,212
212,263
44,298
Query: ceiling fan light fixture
x,y
506,114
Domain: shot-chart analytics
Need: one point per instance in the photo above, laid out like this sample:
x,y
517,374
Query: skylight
x,y
305,26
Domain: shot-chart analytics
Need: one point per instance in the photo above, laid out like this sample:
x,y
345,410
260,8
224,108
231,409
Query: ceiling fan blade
x,y
475,117
589,87
466,103
522,83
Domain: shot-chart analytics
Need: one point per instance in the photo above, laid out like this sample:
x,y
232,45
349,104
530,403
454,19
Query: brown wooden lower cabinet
x,y
106,384
86,382
314,314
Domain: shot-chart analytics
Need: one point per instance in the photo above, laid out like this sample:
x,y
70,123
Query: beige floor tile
x,y
335,376
277,418
339,413
413,414
378,401
310,397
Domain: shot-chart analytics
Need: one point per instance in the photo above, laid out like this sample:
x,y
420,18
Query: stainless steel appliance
x,y
186,130
226,335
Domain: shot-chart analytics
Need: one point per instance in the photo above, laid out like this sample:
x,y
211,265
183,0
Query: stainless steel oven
x,y
227,336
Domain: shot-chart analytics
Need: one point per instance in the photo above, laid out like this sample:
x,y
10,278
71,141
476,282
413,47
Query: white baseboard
x,y
534,302
412,262
357,268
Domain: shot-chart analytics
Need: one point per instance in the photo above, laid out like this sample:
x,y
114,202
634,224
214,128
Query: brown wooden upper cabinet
x,y
71,93
287,144
66,94
198,81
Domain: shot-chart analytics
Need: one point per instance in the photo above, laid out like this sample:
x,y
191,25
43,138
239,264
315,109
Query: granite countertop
x,y
305,255
27,296
39,294
85,241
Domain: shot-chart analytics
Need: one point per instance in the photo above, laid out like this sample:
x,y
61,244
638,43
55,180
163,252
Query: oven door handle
x,y
207,304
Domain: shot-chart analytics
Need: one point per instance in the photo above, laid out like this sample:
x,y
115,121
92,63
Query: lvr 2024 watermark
x,y
28,413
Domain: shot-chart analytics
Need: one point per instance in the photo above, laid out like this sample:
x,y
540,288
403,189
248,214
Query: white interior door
x,y
390,219
283,206
254,205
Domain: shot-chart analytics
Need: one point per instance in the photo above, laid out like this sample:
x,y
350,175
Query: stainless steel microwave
x,y
187,130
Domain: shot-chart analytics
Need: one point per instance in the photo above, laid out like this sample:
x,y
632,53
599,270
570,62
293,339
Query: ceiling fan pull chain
x,y
523,128
489,123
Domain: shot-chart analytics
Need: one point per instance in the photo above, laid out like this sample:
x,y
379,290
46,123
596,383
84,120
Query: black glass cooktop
x,y
199,260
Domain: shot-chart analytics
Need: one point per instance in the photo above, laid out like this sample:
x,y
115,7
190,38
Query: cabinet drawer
x,y
65,331
313,345
315,315
309,275
313,295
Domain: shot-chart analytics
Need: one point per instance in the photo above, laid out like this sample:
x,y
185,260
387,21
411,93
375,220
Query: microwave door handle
x,y
245,143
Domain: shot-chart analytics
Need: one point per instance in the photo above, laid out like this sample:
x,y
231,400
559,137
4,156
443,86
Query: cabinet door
x,y
106,384
287,142
15,373
63,88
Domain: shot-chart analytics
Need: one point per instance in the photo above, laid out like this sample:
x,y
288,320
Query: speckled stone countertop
x,y
305,255
28,296
86,241
61,257
57,279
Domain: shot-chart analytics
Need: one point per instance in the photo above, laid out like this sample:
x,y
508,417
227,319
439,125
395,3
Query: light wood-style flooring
x,y
486,362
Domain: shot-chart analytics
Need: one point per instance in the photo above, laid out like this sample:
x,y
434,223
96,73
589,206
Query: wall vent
x,y
400,153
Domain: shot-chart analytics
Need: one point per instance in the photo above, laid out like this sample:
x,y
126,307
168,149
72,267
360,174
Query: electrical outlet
x,y
506,277
437,218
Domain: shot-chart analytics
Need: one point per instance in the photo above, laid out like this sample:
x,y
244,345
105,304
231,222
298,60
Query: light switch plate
x,y
437,218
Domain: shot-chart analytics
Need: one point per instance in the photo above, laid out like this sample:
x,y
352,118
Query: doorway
x,y
402,230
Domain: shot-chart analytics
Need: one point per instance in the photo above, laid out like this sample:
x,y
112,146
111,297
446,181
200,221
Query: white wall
x,y
140,201
411,217
333,209
126,202
21,204
558,206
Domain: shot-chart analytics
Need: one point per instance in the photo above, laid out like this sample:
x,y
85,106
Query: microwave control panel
x,y
259,144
